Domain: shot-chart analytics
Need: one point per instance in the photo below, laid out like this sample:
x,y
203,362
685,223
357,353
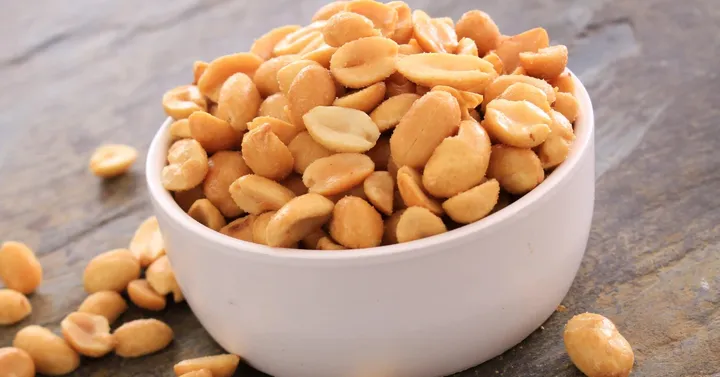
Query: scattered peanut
x,y
474,204
19,268
88,334
596,347
355,224
219,365
108,304
161,278
112,160
51,354
256,194
147,244
111,271
416,223
341,129
16,363
518,170
142,337
14,307
298,218
144,296
337,173
188,165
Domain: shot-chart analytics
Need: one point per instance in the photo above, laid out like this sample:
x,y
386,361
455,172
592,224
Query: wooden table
x,y
77,74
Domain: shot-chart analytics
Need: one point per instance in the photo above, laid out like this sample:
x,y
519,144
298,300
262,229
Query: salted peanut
x,y
222,68
404,26
462,72
274,106
430,119
466,100
16,362
313,86
567,105
239,101
380,153
51,354
187,165
142,337
108,304
287,74
225,168
416,223
314,44
390,228
564,82
364,99
409,49
383,16
478,26
521,91
388,114
266,154
218,365
320,55
204,212
182,101
557,146
161,278
455,166
500,84
198,373
528,41
88,334
144,296
256,194
516,123
265,78
412,192
596,347
263,46
398,84
547,63
337,173
472,133
378,188
14,307
241,228
295,184
357,191
213,134
147,244
111,271
180,129
341,129
345,27
355,224
365,61
199,68
259,227
433,34
474,204
297,219
19,268
305,150
296,41
467,46
112,160
518,170
285,131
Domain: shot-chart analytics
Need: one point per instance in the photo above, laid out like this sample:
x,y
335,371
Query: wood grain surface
x,y
75,74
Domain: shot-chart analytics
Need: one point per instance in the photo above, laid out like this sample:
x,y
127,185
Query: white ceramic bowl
x,y
426,308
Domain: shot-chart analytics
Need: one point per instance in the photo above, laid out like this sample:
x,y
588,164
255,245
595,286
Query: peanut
x,y
564,82
221,69
182,101
185,199
337,173
264,46
596,347
557,146
298,218
259,227
365,61
355,224
567,105
433,35
285,131
213,134
88,334
265,78
239,101
295,184
298,40
398,84
161,278
144,296
274,106
187,165
198,68
388,114
521,91
142,337
198,373
266,154
409,184
518,170
528,41
14,307
547,63
365,99
147,244
516,123
241,228
495,60
341,129
479,27
112,160
19,268
180,129
410,48
383,16
111,271
466,46
108,304
462,72
390,228
380,153
499,85
474,204
51,354
311,240
404,27
320,55
313,86
326,243
255,194
379,187
346,27
16,362
287,74
329,10
416,223
204,212
456,166
305,150
219,365
224,168
466,100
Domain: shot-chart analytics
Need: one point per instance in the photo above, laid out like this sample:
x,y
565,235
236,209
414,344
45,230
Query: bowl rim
x,y
156,159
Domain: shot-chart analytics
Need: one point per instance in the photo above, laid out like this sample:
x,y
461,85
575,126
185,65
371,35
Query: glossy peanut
x,y
547,63
224,168
147,244
265,78
182,101
144,296
112,160
20,269
516,123
241,229
355,224
88,334
187,165
378,188
313,86
297,219
462,72
16,362
418,222
218,365
567,105
239,101
596,347
341,129
109,304
518,170
411,189
266,154
404,26
274,106
221,69
365,99
161,278
51,354
455,166
389,113
142,337
264,46
337,173
14,307
111,271
365,61
287,74
204,212
256,194
474,204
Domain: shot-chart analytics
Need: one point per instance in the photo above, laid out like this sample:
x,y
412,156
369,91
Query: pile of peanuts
x,y
374,124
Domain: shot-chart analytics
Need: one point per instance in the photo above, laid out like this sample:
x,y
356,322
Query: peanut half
x,y
88,334
19,268
182,101
557,146
337,173
221,69
112,160
462,72
341,129
238,101
411,190
108,304
241,229
187,166
313,86
365,99
256,194
517,123
518,170
224,168
298,218
379,187
364,62
266,154
161,278
144,296
142,337
147,244
474,204
51,354
355,224
204,212
111,271
213,134
389,113
14,307
417,222
263,46
596,347
16,362
218,365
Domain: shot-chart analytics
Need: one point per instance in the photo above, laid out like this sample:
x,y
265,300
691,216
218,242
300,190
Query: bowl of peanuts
x,y
377,193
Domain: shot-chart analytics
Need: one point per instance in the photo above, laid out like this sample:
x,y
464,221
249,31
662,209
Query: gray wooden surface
x,y
75,74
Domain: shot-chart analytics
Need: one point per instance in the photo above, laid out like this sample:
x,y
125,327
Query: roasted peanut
x,y
466,100
147,244
16,363
51,354
521,91
295,184
341,129
298,40
14,307
142,337
112,160
185,199
180,129
567,105
224,168
241,228
518,170
198,373
564,82
108,304
19,268
298,218
495,60
596,347
516,123
287,74
474,204
305,150
357,191
388,114
404,26
224,67
390,228
161,278
355,224
256,194
328,10
432,34
547,63
285,131
380,153
411,189
187,165
274,106
266,154
219,365
365,61
213,134
259,227
365,99
416,223
239,101
204,212
313,86
321,55
182,101
557,146
88,334
111,271
528,41
265,78
383,16
263,46
409,49
346,27
398,84
430,119
466,46
199,68
462,72
479,27
337,173
499,85
379,187
144,296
